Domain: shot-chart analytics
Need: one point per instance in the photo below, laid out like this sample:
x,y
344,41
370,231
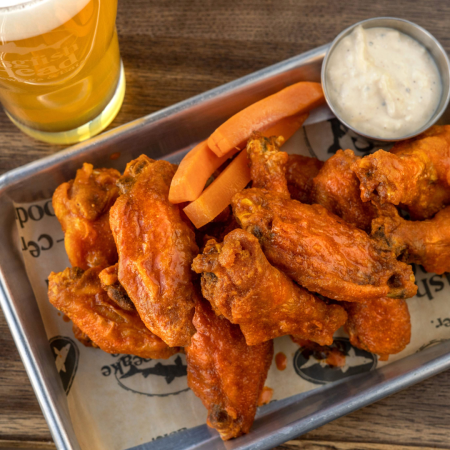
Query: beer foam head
x,y
23,19
6,3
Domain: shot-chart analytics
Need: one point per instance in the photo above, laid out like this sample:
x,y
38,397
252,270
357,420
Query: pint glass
x,y
61,77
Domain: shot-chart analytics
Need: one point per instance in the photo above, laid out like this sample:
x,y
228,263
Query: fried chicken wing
x,y
242,286
268,164
300,172
156,248
83,337
380,326
316,248
79,295
336,188
82,207
414,174
109,279
424,242
225,373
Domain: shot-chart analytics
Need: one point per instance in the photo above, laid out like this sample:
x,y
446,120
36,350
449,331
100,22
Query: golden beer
x,y
61,78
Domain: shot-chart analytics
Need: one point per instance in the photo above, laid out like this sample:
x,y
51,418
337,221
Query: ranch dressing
x,y
383,82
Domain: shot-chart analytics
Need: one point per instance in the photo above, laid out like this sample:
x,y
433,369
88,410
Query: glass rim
x,y
22,5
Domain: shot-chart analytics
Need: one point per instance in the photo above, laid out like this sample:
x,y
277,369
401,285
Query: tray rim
x,y
63,436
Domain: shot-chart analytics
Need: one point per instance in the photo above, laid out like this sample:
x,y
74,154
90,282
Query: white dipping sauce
x,y
383,82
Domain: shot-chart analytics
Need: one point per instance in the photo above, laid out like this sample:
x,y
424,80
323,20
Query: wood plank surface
x,y
171,51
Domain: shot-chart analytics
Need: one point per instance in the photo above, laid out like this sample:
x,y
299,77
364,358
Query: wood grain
x,y
171,51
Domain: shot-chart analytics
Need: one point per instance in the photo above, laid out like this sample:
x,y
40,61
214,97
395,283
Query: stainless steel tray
x,y
169,134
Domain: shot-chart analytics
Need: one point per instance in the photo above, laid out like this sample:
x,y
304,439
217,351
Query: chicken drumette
x,y
414,174
425,242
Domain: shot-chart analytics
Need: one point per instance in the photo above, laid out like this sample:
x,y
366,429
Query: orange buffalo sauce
x,y
266,396
281,361
335,358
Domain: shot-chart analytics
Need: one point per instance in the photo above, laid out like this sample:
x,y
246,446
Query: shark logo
x,y
169,372
66,355
149,377
312,367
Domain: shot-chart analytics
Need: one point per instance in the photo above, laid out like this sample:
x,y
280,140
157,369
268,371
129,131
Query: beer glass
x,y
61,77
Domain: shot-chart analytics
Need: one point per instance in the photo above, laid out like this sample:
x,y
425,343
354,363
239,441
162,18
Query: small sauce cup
x,y
420,35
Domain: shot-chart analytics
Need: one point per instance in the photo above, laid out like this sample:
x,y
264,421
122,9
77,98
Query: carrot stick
x,y
200,163
293,100
286,127
193,173
217,196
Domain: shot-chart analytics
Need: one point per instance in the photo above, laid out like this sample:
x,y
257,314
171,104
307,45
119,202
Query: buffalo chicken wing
x,y
156,248
336,188
79,295
225,373
313,246
380,326
82,206
425,242
415,173
244,287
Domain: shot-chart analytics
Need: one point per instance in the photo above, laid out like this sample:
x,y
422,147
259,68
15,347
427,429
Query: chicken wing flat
x,y
336,188
156,248
414,174
380,326
318,249
79,295
82,207
300,172
109,279
244,287
425,242
225,373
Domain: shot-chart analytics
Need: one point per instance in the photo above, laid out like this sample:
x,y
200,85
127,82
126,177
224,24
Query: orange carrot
x,y
286,127
200,163
293,100
217,196
193,173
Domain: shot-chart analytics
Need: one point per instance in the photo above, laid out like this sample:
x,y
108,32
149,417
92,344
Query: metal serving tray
x,y
168,134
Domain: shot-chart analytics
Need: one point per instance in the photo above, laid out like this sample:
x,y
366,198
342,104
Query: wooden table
x,y
173,50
